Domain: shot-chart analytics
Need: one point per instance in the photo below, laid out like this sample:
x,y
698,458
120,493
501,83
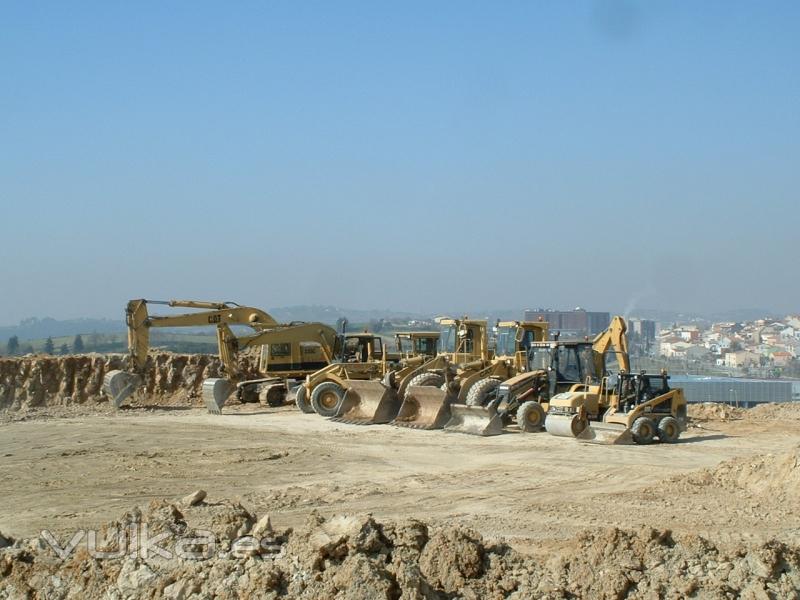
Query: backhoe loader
x,y
287,351
465,381
552,367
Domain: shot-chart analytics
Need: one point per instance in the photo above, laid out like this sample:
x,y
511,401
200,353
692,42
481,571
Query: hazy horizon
x,y
607,155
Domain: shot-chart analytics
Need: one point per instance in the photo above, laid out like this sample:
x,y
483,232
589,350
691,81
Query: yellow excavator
x,y
287,350
468,382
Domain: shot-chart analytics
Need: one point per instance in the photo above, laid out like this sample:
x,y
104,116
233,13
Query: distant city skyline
x,y
612,155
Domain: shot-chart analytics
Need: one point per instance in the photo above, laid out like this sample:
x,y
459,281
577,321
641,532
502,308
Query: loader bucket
x,y
606,433
215,392
424,407
119,385
474,420
367,403
564,425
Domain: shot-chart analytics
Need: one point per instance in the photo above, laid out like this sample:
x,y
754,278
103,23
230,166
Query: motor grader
x,y
288,351
468,382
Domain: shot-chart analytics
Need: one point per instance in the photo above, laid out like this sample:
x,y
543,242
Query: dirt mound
x,y
767,477
40,381
358,557
714,411
774,411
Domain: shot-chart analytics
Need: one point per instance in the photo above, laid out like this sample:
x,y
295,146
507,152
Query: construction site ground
x,y
71,467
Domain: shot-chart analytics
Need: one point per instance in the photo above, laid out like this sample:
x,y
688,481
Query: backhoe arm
x,y
614,337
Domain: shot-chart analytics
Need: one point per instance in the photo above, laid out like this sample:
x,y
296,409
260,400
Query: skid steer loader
x,y
552,366
627,408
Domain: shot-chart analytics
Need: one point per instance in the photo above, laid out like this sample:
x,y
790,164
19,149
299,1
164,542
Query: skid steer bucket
x,y
424,407
215,392
606,433
474,420
367,403
119,385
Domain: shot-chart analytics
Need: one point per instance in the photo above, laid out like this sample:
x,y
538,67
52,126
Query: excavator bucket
x,y
119,385
424,407
367,403
606,433
474,420
215,393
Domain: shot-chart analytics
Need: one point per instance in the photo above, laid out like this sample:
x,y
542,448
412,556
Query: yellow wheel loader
x,y
360,357
383,400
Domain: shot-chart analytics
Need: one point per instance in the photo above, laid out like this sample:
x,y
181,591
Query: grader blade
x,y
367,403
119,385
215,393
424,407
474,420
606,433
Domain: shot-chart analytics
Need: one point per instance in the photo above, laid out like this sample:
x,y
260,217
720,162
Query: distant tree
x,y
77,344
28,349
49,347
13,345
63,350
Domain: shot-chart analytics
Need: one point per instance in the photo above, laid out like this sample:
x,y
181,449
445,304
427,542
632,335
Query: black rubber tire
x,y
669,430
531,416
276,396
321,395
248,394
302,401
643,430
426,378
482,392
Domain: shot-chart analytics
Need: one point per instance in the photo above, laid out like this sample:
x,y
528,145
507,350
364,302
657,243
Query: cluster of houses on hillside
x,y
760,343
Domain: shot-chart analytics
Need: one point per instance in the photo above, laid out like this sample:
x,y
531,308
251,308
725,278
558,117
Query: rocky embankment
x,y
41,381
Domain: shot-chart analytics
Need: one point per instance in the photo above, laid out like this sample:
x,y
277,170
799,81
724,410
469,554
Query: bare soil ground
x,y
80,466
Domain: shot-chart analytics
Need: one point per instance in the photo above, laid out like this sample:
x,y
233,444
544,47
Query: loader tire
x,y
482,392
643,430
301,399
669,430
428,378
530,416
326,398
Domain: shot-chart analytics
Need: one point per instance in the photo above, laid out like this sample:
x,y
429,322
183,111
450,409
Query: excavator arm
x,y
214,313
614,338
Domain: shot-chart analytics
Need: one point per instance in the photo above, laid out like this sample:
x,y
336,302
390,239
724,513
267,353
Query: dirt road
x,y
532,489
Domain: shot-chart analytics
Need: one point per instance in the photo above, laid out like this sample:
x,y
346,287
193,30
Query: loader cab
x,y
464,339
359,348
417,343
515,339
570,362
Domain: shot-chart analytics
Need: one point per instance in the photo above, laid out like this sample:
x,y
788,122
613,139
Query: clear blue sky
x,y
418,156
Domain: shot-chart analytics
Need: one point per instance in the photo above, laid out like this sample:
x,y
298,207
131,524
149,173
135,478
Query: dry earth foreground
x,y
302,507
